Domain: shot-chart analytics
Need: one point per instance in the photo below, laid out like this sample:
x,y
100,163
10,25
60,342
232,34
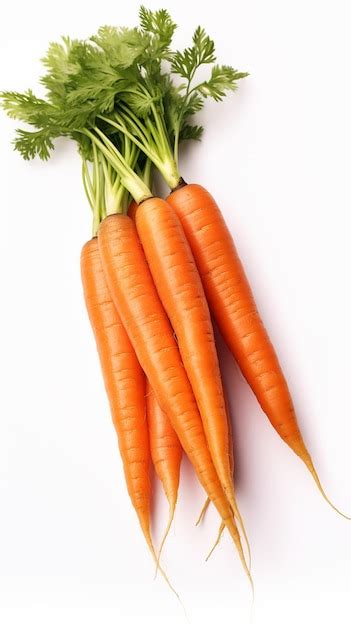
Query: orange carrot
x,y
125,387
203,511
232,304
124,382
166,453
136,299
179,286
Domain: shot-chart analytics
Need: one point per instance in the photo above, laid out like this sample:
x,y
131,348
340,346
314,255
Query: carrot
x,y
124,382
231,301
125,387
203,512
154,242
166,453
179,286
136,299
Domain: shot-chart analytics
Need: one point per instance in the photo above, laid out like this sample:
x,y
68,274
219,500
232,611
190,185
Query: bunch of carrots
x,y
156,271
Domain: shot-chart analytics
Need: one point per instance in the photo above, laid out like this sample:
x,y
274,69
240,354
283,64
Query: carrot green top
x,y
120,95
158,114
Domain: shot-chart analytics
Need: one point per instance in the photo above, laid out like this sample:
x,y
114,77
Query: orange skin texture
x,y
124,382
231,301
166,450
179,286
134,293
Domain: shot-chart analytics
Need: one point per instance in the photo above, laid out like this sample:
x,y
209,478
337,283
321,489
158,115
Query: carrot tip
x,y
298,446
237,514
311,468
219,537
146,532
203,512
172,507
231,525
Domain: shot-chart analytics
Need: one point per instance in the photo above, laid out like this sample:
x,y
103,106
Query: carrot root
x,y
242,528
230,524
300,449
237,515
203,512
219,537
146,532
172,508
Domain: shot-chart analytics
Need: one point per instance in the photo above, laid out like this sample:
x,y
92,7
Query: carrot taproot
x,y
125,387
203,511
166,450
124,381
180,289
166,453
134,294
232,303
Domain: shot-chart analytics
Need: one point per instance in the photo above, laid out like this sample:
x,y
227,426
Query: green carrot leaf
x,y
61,67
200,53
223,78
158,23
122,46
157,28
191,131
204,47
26,107
31,144
193,104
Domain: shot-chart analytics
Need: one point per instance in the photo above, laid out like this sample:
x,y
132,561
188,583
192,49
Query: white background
x,y
277,157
